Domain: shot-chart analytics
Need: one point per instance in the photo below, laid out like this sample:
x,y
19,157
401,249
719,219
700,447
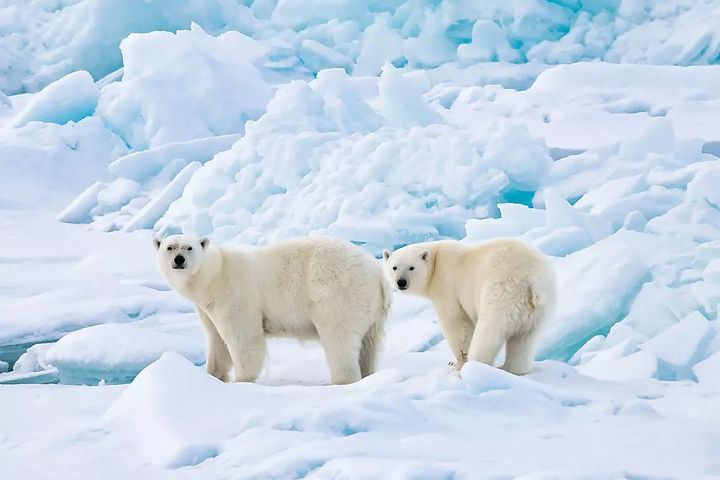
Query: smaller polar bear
x,y
306,288
485,295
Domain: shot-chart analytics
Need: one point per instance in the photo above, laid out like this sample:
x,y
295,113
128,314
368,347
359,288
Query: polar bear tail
x,y
373,338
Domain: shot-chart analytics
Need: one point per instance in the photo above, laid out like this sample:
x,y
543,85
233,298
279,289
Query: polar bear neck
x,y
196,287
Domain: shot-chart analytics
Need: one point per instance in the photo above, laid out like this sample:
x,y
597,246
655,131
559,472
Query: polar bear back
x,y
464,272
293,279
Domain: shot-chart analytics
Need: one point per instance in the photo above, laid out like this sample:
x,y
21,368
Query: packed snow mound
x,y
185,85
323,144
174,404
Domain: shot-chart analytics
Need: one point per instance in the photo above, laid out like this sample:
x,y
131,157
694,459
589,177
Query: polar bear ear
x,y
204,242
386,254
157,242
424,255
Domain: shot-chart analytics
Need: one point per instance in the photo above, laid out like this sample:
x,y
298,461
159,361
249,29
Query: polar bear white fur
x,y
485,295
307,288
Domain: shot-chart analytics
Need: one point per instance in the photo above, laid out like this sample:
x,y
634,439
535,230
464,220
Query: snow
x,y
587,128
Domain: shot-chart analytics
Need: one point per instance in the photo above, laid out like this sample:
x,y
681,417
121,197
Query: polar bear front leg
x,y
218,361
457,328
245,339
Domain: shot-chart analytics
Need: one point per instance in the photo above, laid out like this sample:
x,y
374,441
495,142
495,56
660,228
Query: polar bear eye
x,y
189,248
411,268
394,268
169,248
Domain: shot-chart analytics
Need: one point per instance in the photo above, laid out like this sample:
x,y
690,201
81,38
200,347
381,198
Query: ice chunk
x,y
41,377
34,359
116,353
657,307
524,159
79,209
561,214
679,347
589,308
4,366
317,56
615,364
711,274
142,166
489,43
155,209
69,99
708,371
184,86
401,100
170,413
380,45
704,187
563,241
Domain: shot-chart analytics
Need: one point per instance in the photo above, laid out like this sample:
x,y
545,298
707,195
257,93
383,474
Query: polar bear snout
x,y
179,262
402,283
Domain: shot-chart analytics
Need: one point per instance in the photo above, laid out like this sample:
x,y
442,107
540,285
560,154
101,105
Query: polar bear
x,y
485,295
306,288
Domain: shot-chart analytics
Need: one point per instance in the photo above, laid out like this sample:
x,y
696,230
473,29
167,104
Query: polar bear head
x,y
180,254
408,268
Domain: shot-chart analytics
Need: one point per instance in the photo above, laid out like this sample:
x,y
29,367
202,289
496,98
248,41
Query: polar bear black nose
x,y
179,260
402,284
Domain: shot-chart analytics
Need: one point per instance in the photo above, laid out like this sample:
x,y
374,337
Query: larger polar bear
x,y
306,288
485,295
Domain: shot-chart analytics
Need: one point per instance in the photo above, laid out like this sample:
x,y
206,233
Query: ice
x,y
4,366
711,274
657,307
143,165
401,101
116,353
49,375
33,360
45,165
708,371
680,346
616,364
586,309
222,88
380,45
154,209
51,40
78,211
69,99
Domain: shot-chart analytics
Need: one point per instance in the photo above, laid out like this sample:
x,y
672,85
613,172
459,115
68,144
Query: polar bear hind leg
x,y
369,350
520,354
341,342
505,314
